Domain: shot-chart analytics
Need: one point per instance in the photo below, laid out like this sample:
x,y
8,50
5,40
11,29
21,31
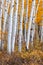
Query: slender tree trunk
x,y
0,24
10,26
33,22
5,20
1,7
31,18
21,30
26,20
42,32
29,26
5,15
15,22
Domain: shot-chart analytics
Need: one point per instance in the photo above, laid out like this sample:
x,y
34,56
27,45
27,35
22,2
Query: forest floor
x,y
31,57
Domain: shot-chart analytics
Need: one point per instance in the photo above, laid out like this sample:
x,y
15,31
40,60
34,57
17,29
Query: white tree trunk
x,y
26,20
5,15
1,7
42,32
20,31
33,22
5,20
10,26
29,27
0,23
31,18
15,22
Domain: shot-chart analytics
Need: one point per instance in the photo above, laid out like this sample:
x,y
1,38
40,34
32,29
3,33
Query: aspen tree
x,y
42,32
26,20
5,19
20,31
33,22
3,8
10,26
0,22
5,14
42,26
29,27
1,11
14,29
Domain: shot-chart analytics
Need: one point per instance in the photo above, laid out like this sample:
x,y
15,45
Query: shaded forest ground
x,y
34,56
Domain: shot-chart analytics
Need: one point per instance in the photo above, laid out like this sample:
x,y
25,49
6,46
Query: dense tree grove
x,y
21,21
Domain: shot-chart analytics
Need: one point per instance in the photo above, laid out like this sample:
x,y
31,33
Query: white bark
x,y
15,22
33,22
1,7
29,27
5,14
10,26
20,31
42,32
0,23
5,9
26,20
42,27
